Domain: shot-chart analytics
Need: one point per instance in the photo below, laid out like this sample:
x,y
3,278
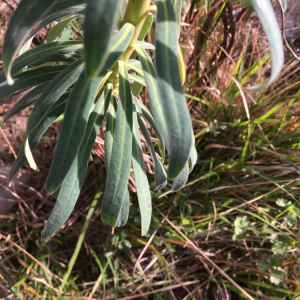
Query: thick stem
x,y
135,14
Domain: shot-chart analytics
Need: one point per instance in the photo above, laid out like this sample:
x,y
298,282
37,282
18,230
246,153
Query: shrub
x,y
91,80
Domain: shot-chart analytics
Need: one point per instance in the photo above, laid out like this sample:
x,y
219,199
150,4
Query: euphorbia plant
x,y
91,81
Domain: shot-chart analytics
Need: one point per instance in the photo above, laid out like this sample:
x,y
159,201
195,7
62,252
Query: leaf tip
x,y
9,79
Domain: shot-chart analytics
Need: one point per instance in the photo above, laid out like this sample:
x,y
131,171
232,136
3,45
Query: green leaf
x,y
283,202
56,58
178,7
181,179
78,10
175,111
25,16
146,26
137,79
136,89
99,22
28,79
268,20
52,93
136,66
73,129
41,52
55,111
160,173
119,168
193,157
140,175
123,217
62,5
57,29
146,113
145,45
109,132
73,182
26,101
154,97
81,99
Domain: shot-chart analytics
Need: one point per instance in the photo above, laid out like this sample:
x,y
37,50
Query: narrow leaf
x,y
110,128
193,157
146,26
28,79
26,101
52,93
123,217
77,111
119,168
62,5
72,184
142,185
55,111
145,45
146,113
73,129
25,16
57,29
99,21
268,20
181,179
74,10
178,122
177,7
136,66
137,79
41,52
109,133
154,96
160,173
66,58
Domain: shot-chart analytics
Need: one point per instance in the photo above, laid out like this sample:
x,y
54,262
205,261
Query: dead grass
x,y
193,250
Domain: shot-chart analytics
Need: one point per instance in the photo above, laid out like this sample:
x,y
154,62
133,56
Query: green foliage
x,y
91,81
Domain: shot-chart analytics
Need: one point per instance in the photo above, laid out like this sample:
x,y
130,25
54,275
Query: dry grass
x,y
225,235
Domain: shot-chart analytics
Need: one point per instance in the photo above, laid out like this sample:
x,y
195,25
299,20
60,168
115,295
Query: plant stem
x,y
135,14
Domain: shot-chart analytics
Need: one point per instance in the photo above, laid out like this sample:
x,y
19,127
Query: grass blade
x,y
119,168
99,21
268,20
160,173
178,122
25,16
28,79
73,182
140,175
